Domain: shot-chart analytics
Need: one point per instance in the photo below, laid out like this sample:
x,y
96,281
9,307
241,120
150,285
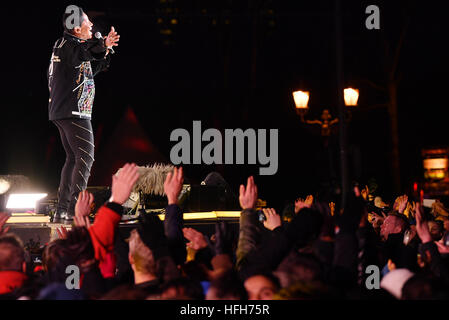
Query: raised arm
x,y
174,219
432,254
250,227
102,231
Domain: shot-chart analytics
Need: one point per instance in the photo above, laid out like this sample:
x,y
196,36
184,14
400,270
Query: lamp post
x,y
301,98
351,97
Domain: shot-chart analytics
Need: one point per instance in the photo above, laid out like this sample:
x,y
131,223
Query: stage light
x,y
4,186
351,97
207,215
301,99
24,200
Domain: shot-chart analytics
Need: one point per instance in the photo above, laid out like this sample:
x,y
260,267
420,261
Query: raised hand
x,y
112,38
438,209
62,232
401,203
196,239
248,195
84,203
375,219
332,208
273,219
123,182
409,211
81,221
301,204
357,191
422,228
365,193
442,248
3,218
173,185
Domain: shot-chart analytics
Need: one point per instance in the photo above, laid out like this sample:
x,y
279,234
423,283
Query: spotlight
x,y
24,200
4,186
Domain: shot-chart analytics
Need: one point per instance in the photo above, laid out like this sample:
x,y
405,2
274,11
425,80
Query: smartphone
x,y
262,217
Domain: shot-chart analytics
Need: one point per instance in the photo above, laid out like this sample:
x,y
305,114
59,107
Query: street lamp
x,y
351,97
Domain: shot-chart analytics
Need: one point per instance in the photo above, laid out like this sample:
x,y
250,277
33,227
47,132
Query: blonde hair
x,y
142,255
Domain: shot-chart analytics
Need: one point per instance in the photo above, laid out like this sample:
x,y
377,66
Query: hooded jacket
x,y
74,63
11,280
102,233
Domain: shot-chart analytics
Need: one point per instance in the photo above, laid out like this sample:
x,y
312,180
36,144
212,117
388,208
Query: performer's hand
x,y
123,182
173,185
112,38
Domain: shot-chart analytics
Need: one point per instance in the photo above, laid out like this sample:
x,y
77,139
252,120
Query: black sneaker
x,y
68,218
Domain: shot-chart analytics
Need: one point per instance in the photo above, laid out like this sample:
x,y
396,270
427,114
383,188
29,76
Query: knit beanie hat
x,y
151,232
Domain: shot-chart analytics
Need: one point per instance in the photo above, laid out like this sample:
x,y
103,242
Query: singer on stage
x,y
77,57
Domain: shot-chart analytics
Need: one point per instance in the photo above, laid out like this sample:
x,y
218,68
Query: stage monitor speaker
x,y
203,198
101,195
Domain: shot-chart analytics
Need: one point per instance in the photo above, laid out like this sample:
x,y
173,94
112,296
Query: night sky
x,y
232,64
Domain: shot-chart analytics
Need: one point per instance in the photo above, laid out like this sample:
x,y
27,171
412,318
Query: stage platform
x,y
33,234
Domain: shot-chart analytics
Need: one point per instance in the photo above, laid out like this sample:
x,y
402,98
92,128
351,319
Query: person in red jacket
x,y
89,246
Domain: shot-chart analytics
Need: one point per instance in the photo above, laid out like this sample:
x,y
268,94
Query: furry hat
x,y
151,178
394,280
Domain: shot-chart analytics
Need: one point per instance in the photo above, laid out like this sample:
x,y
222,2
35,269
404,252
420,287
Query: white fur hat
x,y
394,280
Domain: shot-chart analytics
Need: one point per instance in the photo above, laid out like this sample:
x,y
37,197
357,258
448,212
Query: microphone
x,y
100,37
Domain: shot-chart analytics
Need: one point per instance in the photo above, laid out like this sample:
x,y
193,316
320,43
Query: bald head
x,y
392,225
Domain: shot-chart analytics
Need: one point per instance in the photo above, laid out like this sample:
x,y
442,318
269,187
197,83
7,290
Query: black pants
x,y
78,141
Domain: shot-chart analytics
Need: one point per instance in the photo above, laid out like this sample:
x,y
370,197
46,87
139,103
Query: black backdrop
x,y
232,64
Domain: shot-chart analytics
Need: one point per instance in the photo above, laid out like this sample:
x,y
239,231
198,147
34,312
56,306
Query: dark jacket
x,y
74,63
261,250
173,224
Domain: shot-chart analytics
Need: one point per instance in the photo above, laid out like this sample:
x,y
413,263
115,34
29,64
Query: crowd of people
x,y
363,249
